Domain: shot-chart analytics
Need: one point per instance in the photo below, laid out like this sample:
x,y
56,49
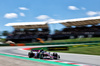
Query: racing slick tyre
x,y
30,55
41,56
56,56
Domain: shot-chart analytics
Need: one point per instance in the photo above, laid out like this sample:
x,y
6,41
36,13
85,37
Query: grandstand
x,y
28,31
80,30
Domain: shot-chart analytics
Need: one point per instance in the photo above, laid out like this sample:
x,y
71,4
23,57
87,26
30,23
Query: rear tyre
x,y
30,55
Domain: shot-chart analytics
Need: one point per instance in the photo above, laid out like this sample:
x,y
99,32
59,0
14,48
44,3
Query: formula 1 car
x,y
43,55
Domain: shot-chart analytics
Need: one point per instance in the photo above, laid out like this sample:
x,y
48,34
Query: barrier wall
x,y
30,44
73,46
34,44
4,45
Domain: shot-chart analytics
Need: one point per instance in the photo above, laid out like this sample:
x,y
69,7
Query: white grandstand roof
x,y
79,21
26,23
75,20
70,22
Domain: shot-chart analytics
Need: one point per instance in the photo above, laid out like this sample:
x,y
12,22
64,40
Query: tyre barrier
x,y
20,44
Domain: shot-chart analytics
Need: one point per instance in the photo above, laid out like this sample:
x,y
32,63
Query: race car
x,y
43,55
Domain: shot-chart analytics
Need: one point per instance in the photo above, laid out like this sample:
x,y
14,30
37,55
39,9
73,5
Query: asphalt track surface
x,y
91,60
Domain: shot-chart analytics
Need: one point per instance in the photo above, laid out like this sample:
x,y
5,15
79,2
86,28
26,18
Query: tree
x,y
5,33
56,30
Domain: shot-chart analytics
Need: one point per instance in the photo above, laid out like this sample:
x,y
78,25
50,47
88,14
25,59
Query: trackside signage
x,y
57,48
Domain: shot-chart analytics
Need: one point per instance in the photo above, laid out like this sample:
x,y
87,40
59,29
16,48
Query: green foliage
x,y
76,40
2,40
5,33
56,30
93,50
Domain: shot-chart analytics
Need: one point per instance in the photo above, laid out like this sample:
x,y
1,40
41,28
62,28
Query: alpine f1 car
x,y
43,55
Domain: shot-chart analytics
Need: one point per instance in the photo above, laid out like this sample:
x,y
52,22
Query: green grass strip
x,y
39,60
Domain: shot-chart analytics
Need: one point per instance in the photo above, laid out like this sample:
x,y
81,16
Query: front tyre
x,y
41,56
56,56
